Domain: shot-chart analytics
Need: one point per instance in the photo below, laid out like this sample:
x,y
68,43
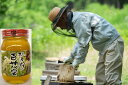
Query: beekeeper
x,y
89,27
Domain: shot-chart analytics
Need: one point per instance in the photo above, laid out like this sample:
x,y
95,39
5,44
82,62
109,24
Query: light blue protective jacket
x,y
91,27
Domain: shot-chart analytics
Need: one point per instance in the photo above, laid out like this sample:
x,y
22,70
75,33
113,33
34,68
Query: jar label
x,y
16,63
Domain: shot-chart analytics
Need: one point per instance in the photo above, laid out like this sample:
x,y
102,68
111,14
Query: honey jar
x,y
16,56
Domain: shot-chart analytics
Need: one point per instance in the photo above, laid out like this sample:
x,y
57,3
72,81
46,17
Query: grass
x,y
37,68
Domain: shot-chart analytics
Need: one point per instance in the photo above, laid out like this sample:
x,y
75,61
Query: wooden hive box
x,y
79,80
66,83
52,66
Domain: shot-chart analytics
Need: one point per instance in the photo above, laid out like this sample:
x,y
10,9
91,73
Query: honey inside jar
x,y
16,60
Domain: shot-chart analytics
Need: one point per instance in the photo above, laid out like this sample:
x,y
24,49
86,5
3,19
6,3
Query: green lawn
x,y
37,68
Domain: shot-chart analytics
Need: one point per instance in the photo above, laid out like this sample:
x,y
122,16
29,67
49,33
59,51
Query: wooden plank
x,y
67,83
52,65
66,73
47,81
55,72
52,59
54,78
50,72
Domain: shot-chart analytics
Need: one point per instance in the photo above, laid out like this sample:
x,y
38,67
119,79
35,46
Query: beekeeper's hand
x,y
75,63
72,61
68,60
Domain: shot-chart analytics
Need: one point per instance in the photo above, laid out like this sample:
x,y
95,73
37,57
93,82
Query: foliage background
x,y
33,14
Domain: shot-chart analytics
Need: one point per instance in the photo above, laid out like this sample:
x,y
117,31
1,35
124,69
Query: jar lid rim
x,y
15,32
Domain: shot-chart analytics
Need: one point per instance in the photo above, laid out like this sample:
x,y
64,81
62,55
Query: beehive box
x,y
52,66
78,80
68,83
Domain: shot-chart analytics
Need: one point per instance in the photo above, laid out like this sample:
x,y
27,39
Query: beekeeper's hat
x,y
55,14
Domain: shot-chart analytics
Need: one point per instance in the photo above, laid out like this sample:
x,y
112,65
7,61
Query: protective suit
x,y
92,28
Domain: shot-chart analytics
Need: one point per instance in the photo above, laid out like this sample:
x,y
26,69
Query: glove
x,y
72,61
68,60
75,63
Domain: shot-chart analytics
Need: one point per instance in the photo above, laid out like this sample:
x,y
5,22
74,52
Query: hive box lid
x,y
54,78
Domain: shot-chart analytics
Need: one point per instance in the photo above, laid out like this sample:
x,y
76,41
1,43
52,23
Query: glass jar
x,y
16,59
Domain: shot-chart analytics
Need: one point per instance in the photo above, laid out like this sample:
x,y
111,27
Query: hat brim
x,y
55,21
